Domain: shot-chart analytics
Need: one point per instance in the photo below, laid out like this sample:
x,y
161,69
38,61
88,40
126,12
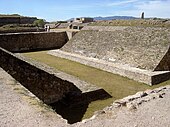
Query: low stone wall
x,y
9,20
16,20
21,30
43,83
27,20
131,102
18,42
48,84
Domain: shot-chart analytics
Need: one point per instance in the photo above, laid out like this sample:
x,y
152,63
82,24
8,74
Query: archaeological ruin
x,y
138,53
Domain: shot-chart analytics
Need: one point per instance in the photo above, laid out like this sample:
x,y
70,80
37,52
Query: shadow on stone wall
x,y
73,107
67,99
72,114
45,85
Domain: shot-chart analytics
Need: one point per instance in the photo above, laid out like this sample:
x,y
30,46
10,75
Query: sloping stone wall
x,y
19,42
43,83
164,64
140,47
140,75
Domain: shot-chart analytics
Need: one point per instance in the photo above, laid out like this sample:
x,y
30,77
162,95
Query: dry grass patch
x,y
117,86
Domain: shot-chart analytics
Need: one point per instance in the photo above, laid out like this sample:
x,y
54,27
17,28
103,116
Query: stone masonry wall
x,y
164,63
27,20
17,20
40,81
22,30
32,41
140,47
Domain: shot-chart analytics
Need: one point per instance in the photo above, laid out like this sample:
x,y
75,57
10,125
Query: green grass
x,y
117,86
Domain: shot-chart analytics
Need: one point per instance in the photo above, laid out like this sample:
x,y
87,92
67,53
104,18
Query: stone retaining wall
x,y
140,47
17,20
134,101
165,62
48,84
140,75
22,30
43,83
18,42
131,102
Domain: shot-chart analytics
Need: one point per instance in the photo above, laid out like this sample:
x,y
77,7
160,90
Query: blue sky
x,y
53,10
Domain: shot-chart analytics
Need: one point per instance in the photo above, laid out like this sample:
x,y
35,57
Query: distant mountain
x,y
114,17
70,19
110,18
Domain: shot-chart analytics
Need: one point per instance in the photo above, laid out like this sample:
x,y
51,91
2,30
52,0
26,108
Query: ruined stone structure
x,y
83,20
77,23
138,47
47,84
19,42
139,53
72,25
135,52
22,30
142,54
43,84
16,20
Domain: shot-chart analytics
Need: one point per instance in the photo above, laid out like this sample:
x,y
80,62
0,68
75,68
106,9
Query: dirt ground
x,y
20,108
151,111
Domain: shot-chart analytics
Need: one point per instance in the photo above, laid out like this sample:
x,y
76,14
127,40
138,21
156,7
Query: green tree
x,y
39,23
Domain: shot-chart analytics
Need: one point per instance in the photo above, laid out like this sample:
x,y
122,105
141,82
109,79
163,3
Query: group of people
x,y
47,28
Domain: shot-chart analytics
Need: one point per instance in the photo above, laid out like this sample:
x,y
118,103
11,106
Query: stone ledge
x,y
131,102
82,85
140,75
104,28
88,92
134,101
47,84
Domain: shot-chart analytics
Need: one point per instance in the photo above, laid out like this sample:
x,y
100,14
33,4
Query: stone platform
x,y
141,75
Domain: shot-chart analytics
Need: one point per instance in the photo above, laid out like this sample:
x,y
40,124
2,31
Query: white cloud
x,y
156,8
152,8
121,2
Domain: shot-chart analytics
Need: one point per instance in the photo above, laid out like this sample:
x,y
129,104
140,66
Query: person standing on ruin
x,y
142,15
48,28
45,28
